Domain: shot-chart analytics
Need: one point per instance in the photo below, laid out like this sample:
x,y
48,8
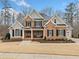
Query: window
x,y
54,20
28,23
60,32
18,32
49,32
38,23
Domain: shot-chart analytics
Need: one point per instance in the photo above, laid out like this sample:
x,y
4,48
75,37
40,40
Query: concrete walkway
x,y
75,39
34,56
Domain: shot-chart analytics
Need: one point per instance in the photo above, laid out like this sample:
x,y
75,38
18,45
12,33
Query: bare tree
x,y
48,11
69,15
26,10
6,14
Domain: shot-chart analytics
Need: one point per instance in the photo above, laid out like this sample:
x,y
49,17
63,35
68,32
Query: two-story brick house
x,y
35,27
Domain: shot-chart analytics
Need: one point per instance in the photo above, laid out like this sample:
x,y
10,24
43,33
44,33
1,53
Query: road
x,y
34,56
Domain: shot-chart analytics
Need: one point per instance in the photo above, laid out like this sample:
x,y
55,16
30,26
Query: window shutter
x,y
47,32
56,32
13,33
52,32
26,23
21,32
64,32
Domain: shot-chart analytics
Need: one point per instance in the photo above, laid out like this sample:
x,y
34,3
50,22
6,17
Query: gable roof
x,y
16,22
28,16
45,16
34,14
59,20
49,22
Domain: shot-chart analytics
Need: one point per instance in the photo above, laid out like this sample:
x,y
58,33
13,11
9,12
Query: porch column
x,y
44,33
54,33
10,31
31,34
23,33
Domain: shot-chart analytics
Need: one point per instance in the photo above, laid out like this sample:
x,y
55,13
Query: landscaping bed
x,y
11,40
55,41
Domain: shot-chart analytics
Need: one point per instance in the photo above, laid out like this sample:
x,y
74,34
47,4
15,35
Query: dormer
x,y
28,22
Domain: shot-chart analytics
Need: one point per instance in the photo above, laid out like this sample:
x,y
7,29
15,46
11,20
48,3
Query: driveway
x,y
34,56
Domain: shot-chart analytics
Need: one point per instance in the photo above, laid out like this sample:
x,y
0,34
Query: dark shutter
x,y
26,23
21,32
52,33
13,33
64,32
56,32
47,32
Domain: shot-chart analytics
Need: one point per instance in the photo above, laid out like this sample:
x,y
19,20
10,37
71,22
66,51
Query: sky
x,y
39,4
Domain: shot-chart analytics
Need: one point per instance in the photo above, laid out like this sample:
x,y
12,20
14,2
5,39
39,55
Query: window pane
x,y
28,23
17,32
38,23
49,32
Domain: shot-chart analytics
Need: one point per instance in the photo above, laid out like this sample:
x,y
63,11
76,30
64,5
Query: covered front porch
x,y
33,34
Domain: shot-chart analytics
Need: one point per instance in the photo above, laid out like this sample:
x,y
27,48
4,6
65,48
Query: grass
x,y
40,48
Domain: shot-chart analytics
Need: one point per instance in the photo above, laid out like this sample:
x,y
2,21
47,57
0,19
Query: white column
x,y
14,32
44,33
31,34
10,31
23,33
54,32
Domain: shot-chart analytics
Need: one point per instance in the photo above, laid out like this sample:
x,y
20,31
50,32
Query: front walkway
x,y
76,40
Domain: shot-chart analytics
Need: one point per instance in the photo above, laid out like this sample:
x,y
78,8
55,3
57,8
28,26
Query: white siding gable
x,y
16,25
58,20
50,21
35,14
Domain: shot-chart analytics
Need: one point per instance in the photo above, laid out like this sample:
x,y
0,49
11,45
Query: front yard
x,y
40,48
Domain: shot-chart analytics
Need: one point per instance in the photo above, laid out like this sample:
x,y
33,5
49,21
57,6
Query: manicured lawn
x,y
41,48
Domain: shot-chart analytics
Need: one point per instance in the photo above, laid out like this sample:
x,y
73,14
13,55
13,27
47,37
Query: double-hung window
x,y
50,32
38,23
60,33
28,23
18,32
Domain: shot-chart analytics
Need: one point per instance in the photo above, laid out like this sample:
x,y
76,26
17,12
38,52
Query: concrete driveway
x,y
34,56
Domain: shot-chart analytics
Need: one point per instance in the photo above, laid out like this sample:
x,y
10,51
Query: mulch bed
x,y
55,41
11,40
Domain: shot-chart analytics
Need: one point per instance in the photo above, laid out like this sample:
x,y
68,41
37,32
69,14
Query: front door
x,y
27,34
